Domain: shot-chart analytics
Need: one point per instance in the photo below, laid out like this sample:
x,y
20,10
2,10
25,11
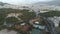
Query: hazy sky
x,y
23,1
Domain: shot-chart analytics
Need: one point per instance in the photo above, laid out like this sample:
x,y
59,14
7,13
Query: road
x,y
52,27
49,23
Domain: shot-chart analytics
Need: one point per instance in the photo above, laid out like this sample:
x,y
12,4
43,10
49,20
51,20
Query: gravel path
x,y
5,31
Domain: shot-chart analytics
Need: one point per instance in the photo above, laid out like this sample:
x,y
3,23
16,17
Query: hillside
x,y
26,14
50,14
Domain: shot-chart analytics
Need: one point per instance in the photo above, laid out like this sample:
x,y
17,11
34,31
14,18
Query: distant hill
x,y
54,2
7,5
2,4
